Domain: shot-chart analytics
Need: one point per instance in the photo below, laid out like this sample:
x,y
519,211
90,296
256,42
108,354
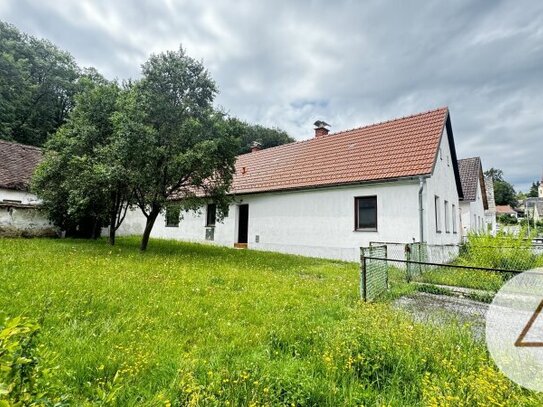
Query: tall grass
x,y
503,252
187,324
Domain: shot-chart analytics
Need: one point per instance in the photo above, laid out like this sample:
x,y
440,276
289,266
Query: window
x,y
474,227
454,218
172,216
446,218
365,213
438,214
211,214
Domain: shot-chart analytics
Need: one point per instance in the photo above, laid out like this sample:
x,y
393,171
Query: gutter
x,y
421,209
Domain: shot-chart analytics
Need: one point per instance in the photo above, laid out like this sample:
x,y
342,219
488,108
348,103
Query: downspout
x,y
421,210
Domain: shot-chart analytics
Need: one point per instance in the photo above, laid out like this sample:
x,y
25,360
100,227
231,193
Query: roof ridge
x,y
21,145
389,121
477,157
349,130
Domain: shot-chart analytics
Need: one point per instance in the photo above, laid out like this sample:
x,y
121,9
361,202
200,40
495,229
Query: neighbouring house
x,y
20,213
490,213
533,208
506,210
538,211
396,181
474,203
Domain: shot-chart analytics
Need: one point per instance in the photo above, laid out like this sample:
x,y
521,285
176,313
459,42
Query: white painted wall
x,y
491,222
320,222
473,214
22,196
442,184
24,222
317,223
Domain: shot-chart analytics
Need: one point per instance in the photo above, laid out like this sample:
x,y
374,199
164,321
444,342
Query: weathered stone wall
x,y
19,221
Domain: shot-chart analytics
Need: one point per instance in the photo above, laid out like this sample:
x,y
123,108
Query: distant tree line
x,y
504,192
39,84
112,146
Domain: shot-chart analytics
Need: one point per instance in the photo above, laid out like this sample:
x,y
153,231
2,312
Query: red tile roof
x,y
505,209
398,148
17,163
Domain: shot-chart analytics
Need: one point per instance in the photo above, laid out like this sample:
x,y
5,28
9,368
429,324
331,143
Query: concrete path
x,y
444,310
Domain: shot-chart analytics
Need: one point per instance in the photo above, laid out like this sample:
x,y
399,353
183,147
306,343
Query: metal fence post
x,y
408,248
363,292
386,267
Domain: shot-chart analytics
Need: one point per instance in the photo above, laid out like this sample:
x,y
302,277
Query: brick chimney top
x,y
321,128
256,146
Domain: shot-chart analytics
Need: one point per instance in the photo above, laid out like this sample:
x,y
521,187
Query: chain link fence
x,y
471,269
373,272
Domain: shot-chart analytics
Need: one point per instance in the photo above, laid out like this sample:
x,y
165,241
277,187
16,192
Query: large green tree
x,y
265,136
38,82
504,193
534,190
186,149
83,179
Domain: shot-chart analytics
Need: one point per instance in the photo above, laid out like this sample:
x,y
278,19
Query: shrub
x,y
507,220
23,381
503,251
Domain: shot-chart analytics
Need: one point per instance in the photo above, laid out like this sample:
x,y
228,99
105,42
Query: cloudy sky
x,y
350,63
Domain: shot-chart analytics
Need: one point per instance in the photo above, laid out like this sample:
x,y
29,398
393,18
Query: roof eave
x,y
414,177
450,137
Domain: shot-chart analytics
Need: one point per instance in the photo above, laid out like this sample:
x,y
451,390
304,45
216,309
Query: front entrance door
x,y
243,223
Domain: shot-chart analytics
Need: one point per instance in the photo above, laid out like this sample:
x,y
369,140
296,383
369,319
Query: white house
x,y
490,213
19,209
396,181
474,203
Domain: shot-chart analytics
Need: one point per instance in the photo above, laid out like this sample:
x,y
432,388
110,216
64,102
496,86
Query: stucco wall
x,y
317,222
320,222
473,214
22,196
442,183
491,222
16,220
27,222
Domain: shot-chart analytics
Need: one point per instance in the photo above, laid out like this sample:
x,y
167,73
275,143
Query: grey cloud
x,y
350,63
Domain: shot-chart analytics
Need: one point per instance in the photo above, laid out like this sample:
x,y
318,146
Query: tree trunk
x,y
96,229
148,228
112,224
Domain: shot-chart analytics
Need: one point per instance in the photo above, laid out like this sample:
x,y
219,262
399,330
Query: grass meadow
x,y
188,324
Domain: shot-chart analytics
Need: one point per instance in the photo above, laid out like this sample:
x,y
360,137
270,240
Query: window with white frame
x,y
437,213
454,218
446,216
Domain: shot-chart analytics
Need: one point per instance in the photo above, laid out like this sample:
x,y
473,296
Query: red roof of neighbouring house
x,y
17,164
404,147
505,209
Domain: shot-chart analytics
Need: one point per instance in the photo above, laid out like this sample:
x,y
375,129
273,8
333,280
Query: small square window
x,y
211,215
366,213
